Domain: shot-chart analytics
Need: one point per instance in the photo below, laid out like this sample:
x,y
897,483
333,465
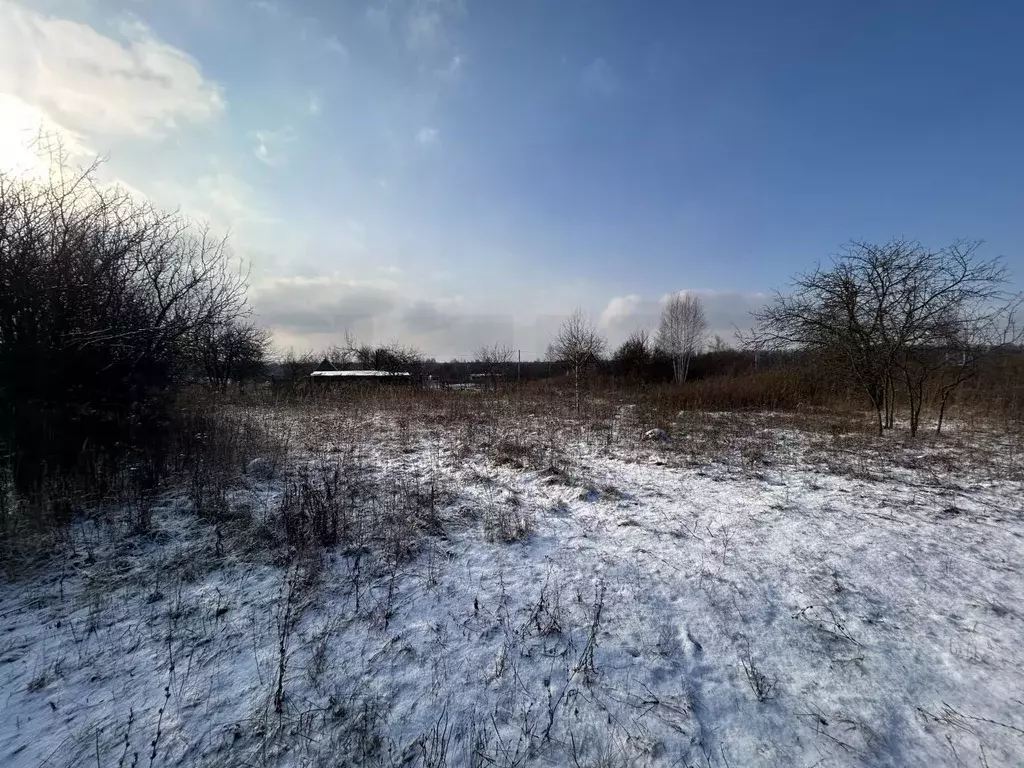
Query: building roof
x,y
358,374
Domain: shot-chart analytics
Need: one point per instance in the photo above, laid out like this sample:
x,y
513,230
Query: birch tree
x,y
682,332
578,345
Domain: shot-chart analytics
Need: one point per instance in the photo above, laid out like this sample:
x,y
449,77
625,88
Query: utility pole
x,y
519,366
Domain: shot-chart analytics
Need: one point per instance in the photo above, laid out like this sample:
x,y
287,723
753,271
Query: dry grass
x,y
533,426
356,506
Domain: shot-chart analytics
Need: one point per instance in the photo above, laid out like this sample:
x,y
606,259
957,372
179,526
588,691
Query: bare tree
x,y
633,357
825,312
682,331
719,345
897,315
579,345
966,351
496,359
296,367
354,351
949,313
338,355
393,357
232,352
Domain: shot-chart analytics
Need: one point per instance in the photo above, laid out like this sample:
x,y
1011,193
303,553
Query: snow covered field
x,y
750,593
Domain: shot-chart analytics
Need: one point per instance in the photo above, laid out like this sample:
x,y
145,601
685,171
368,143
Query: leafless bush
x,y
508,522
517,454
496,360
762,685
826,620
231,352
345,502
103,300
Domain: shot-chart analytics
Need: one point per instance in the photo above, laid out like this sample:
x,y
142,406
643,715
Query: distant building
x,y
351,377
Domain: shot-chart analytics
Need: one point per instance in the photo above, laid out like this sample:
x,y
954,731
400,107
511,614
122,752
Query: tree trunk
x,y
877,397
890,402
946,394
916,403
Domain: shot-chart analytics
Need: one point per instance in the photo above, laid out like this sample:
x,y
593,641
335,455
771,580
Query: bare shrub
x,y
762,685
507,521
345,502
103,298
517,454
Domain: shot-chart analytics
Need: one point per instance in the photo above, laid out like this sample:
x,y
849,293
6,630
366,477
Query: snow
x,y
792,598
260,468
357,374
657,435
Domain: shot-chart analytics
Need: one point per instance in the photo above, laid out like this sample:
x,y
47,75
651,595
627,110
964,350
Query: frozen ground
x,y
795,599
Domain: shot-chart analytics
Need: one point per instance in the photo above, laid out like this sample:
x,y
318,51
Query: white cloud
x,y
378,18
424,30
451,71
445,320
618,307
316,309
313,105
117,93
387,304
226,195
94,85
269,146
599,77
217,197
307,28
426,135
334,45
22,126
422,26
625,314
267,7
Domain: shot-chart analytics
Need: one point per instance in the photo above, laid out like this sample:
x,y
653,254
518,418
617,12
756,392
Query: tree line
x,y
109,306
899,322
902,324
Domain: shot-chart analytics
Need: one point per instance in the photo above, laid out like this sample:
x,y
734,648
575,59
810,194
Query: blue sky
x,y
452,172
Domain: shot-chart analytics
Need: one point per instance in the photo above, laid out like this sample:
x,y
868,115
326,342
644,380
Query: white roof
x,y
357,374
